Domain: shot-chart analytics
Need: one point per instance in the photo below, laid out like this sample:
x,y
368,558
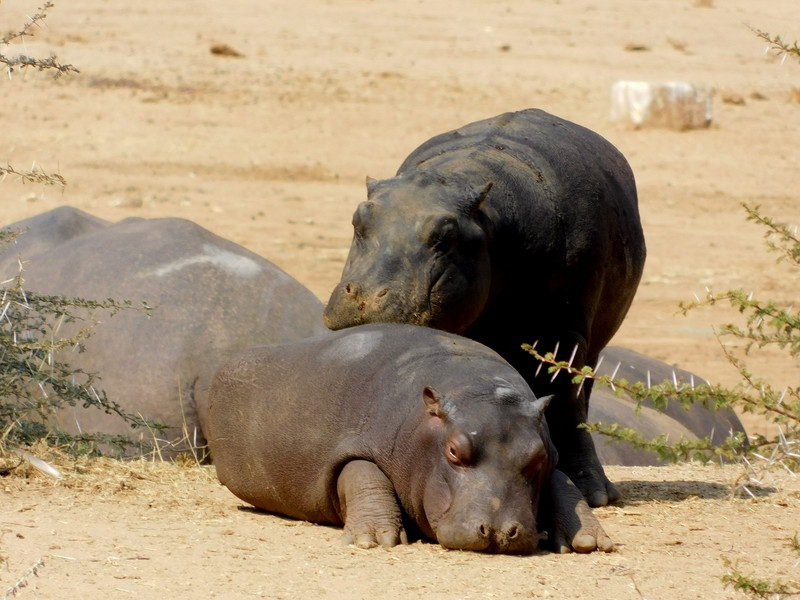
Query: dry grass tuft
x,y
99,474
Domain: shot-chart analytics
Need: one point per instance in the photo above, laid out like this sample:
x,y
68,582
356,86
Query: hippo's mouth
x,y
512,539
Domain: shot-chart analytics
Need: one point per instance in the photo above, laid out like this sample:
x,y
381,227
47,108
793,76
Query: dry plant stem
x,y
777,45
754,384
23,581
39,16
23,60
35,175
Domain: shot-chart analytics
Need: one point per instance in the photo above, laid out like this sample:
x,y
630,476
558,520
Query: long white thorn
x,y
580,388
614,374
572,356
599,362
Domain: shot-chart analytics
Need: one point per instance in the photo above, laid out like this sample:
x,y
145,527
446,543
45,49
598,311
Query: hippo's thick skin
x,y
210,298
520,228
694,423
388,426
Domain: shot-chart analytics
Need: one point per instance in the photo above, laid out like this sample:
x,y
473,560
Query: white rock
x,y
673,104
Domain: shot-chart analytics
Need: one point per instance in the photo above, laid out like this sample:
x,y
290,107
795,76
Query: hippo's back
x,y
210,298
557,152
44,232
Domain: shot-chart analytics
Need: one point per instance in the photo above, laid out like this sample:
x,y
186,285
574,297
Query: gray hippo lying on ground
x,y
693,423
516,229
390,427
210,298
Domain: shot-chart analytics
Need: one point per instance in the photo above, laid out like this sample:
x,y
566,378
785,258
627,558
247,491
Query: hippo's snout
x,y
510,537
352,303
346,306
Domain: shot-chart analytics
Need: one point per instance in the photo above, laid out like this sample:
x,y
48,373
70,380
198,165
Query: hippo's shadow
x,y
289,521
639,492
412,532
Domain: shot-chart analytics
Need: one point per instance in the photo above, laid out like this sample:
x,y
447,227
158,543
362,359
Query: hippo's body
x,y
384,424
607,407
520,228
210,298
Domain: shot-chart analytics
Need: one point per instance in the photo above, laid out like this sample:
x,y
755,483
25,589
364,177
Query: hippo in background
x,y
210,298
517,229
392,429
696,422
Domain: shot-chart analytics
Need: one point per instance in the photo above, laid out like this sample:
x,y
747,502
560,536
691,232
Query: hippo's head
x,y
419,255
494,457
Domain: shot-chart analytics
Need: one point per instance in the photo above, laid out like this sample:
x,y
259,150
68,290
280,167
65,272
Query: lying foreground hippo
x,y
210,299
385,427
516,229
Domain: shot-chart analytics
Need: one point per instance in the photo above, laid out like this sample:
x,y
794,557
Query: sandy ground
x,y
148,530
270,149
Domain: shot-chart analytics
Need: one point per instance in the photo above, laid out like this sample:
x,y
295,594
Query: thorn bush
x,y
35,383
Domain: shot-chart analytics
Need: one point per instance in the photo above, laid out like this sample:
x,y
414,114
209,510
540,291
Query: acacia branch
x,y
34,175
777,45
23,60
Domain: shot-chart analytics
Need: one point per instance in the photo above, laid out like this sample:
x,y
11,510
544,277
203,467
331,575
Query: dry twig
x,y
23,581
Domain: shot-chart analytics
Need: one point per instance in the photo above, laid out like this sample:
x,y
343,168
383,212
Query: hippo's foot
x,y
572,526
369,507
578,459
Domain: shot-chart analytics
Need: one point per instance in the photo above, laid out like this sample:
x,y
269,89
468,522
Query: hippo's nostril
x,y
513,531
382,293
348,288
483,530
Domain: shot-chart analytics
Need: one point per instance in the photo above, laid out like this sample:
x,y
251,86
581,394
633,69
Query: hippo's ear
x,y
477,196
371,183
539,405
431,399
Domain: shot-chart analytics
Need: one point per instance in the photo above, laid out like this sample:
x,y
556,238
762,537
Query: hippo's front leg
x,y
577,454
568,519
369,507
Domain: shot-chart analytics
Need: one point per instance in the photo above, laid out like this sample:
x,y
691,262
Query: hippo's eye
x,y
444,234
535,464
358,227
361,218
457,450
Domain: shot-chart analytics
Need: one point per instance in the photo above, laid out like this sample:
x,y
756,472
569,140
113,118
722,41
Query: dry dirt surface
x,y
158,530
260,121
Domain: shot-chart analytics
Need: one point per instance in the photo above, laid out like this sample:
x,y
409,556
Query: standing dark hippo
x,y
520,228
607,407
389,426
211,298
